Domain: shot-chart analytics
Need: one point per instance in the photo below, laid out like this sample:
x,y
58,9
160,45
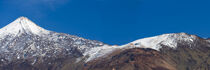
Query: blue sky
x,y
112,21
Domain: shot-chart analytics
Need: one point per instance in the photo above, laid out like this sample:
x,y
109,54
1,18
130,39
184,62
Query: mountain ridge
x,y
24,43
24,25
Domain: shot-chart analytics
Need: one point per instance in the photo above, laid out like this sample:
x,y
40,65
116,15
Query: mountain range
x,y
26,46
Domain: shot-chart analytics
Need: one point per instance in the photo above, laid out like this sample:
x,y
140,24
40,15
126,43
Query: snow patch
x,y
100,51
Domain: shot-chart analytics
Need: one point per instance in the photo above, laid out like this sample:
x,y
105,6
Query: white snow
x,y
170,40
24,25
100,51
21,25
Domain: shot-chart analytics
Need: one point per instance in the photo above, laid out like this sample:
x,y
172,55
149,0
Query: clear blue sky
x,y
112,21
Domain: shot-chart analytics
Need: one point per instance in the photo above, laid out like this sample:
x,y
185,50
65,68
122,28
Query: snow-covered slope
x,y
22,25
172,40
23,39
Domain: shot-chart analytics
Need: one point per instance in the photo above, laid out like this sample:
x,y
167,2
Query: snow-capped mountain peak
x,y
22,25
171,40
23,39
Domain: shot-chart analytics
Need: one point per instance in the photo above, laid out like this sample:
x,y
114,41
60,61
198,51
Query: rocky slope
x,y
181,58
22,40
26,46
133,59
176,51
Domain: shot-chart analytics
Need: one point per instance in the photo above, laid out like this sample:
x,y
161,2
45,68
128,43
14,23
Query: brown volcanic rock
x,y
186,58
133,59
